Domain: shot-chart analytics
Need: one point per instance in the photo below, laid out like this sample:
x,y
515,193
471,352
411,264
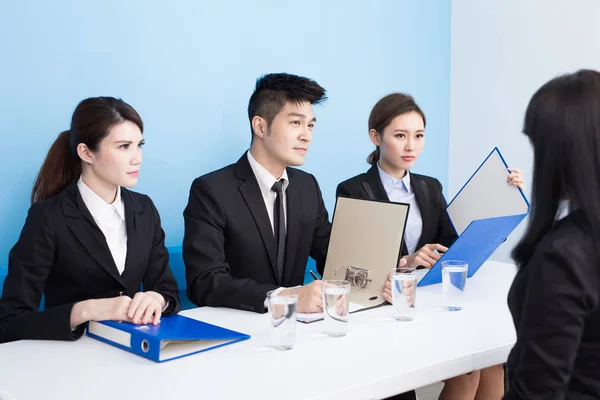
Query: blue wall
x,y
189,68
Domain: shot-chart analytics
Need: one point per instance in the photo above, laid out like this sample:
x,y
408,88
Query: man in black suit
x,y
251,226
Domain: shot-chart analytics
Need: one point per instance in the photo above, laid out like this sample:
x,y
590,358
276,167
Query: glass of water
x,y
282,314
404,293
454,279
336,307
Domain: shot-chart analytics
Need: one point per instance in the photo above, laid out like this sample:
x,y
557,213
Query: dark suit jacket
x,y
555,304
64,255
229,248
437,227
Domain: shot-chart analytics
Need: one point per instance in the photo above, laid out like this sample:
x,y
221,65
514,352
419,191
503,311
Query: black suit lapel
x,y
136,226
293,197
424,200
253,197
87,232
374,182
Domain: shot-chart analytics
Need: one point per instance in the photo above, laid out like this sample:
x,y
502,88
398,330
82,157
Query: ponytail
x,y
374,156
60,168
92,121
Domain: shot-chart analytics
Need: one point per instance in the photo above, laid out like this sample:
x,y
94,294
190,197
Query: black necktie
x,y
279,225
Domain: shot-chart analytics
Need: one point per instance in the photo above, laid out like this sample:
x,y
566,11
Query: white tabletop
x,y
380,357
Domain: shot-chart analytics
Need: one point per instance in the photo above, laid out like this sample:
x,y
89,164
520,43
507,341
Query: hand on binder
x,y
114,308
387,291
146,307
515,178
387,286
409,290
426,256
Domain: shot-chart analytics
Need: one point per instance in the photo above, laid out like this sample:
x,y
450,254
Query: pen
x,y
313,275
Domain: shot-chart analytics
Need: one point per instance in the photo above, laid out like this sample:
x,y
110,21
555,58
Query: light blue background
x,y
189,68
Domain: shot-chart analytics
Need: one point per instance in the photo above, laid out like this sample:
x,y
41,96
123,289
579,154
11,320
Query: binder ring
x,y
145,346
358,277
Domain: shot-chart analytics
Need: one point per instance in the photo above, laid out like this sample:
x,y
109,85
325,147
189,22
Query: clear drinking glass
x,y
336,306
404,293
282,314
454,280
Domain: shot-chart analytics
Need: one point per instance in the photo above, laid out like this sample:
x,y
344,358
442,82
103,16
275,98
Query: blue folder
x,y
480,238
175,337
476,244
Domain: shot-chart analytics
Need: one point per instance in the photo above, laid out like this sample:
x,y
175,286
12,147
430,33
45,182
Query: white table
x,y
379,357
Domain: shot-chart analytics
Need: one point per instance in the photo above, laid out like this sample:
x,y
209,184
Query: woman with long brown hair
x,y
89,244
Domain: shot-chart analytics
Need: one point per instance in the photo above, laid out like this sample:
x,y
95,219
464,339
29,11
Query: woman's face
x,y
119,156
401,142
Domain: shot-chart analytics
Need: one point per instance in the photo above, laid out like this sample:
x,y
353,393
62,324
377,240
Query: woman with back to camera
x,y
555,297
397,128
88,244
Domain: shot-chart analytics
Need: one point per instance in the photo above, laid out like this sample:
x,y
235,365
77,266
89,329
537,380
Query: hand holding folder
x,y
426,256
387,286
484,212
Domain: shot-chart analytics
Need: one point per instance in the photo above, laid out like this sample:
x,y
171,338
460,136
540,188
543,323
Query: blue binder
x,y
476,244
175,337
482,236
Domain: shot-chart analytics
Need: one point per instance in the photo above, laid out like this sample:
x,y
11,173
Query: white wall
x,y
501,53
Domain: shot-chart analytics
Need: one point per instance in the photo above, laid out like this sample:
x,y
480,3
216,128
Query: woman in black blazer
x,y
397,128
88,244
555,297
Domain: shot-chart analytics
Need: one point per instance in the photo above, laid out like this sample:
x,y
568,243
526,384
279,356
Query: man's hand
x,y
310,298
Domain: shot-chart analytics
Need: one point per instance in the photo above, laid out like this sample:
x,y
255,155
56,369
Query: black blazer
x,y
229,248
555,304
64,255
437,227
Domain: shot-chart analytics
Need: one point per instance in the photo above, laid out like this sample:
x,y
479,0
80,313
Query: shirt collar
x,y
264,177
390,183
99,208
564,209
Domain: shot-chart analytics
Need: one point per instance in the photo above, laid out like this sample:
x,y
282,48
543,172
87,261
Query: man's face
x,y
290,133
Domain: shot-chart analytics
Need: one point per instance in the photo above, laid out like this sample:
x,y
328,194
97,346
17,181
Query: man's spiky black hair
x,y
272,91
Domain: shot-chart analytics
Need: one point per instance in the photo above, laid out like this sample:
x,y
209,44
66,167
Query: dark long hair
x,y
386,109
563,124
91,122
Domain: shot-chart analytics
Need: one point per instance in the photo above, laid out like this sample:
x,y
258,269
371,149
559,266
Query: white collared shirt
x,y
265,183
400,191
110,218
